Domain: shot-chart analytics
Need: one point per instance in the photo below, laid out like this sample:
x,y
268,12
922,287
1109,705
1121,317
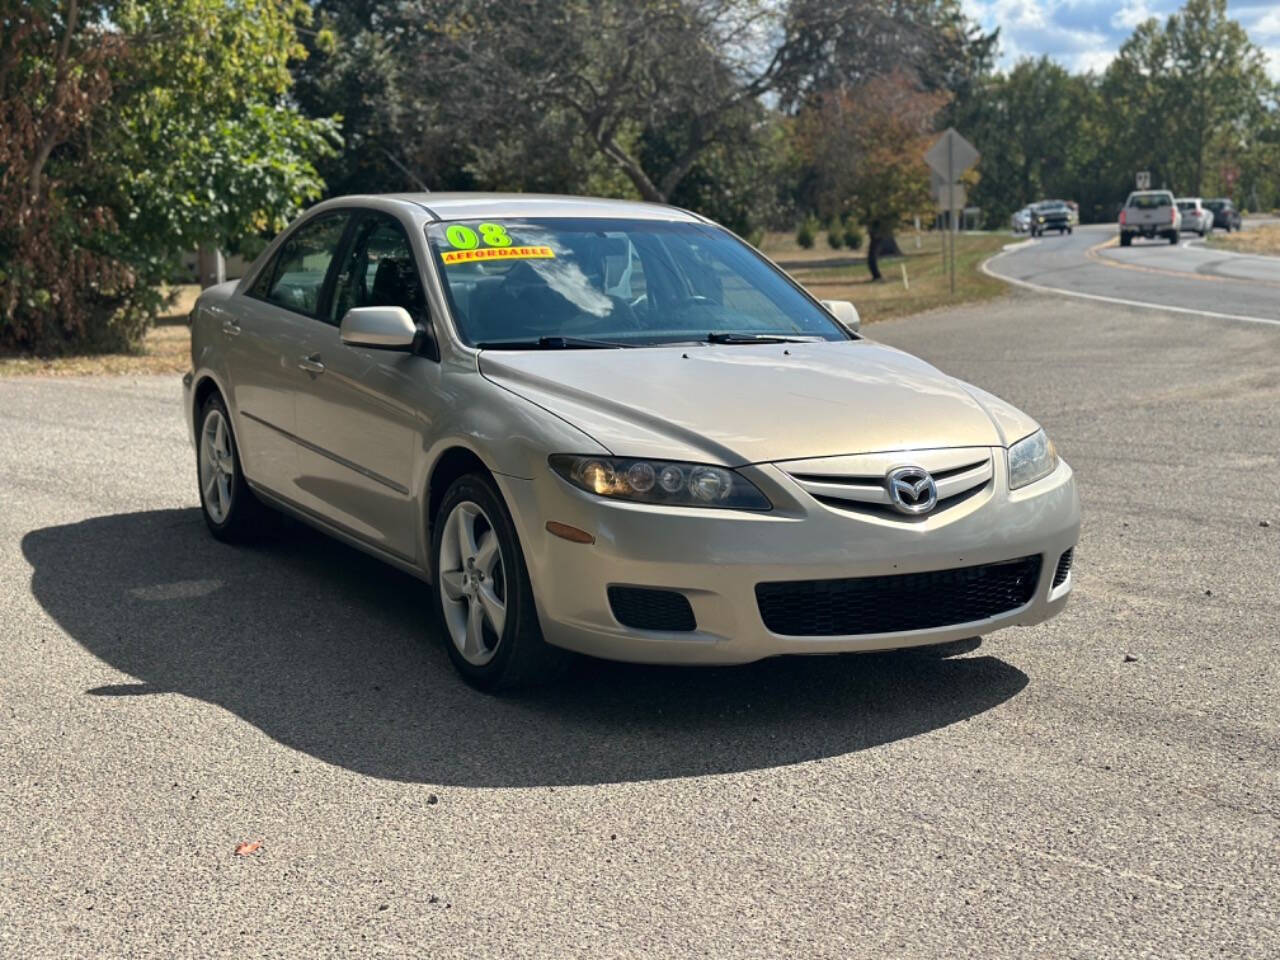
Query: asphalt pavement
x,y
1187,276
1104,785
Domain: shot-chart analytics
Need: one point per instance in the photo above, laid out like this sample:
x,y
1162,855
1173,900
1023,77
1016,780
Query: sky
x,y
1085,34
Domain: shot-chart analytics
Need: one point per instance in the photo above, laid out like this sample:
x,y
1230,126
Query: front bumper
x,y
715,558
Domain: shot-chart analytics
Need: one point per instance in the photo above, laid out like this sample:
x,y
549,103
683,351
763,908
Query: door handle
x,y
231,327
311,364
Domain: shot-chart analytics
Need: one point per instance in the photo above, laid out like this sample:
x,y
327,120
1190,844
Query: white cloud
x,y
1132,13
1085,34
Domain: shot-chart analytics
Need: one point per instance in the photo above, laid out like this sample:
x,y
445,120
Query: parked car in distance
x,y
1021,220
614,428
1150,214
1225,214
1050,215
1196,217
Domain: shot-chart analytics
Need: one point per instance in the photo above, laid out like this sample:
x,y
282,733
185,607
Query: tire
x,y
231,511
489,656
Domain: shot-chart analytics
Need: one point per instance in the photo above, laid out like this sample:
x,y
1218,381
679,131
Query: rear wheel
x,y
230,509
482,592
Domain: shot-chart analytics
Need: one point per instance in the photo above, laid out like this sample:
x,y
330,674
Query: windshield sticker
x,y
464,238
497,253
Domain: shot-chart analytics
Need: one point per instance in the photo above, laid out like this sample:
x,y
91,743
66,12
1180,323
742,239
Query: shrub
x,y
806,232
852,234
835,235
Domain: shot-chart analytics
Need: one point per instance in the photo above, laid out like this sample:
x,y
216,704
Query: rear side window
x,y
295,278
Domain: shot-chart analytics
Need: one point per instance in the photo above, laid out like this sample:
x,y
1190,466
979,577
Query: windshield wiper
x,y
727,336
552,343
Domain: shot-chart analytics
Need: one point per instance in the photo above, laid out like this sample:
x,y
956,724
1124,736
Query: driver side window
x,y
380,271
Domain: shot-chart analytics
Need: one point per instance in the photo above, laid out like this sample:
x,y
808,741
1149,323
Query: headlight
x,y
664,482
1030,459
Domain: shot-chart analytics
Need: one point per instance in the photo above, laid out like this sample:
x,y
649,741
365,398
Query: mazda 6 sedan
x,y
614,428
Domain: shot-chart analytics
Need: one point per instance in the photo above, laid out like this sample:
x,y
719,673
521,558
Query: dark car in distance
x,y
1225,214
1050,215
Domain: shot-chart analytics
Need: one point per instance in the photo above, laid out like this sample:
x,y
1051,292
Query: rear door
x,y
265,342
362,413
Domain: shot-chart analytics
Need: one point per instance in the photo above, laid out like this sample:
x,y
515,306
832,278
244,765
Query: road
x,y
1186,277
1104,785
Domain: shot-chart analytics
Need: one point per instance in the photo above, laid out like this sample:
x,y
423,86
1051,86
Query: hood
x,y
737,404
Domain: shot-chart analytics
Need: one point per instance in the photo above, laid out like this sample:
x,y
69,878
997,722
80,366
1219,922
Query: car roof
x,y
471,206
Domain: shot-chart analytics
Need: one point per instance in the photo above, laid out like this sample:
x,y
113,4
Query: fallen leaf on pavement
x,y
248,847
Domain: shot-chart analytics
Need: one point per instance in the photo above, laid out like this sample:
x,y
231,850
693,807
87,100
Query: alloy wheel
x,y
217,466
472,583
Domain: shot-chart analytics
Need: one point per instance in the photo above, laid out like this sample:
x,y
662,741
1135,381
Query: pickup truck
x,y
1050,215
1149,213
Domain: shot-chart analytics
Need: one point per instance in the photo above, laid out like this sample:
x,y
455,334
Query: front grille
x,y
1064,568
644,608
959,475
897,603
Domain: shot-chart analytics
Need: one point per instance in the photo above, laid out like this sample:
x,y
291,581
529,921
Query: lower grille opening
x,y
898,602
646,608
1064,568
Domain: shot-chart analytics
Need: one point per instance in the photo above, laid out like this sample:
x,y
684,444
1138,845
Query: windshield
x,y
628,282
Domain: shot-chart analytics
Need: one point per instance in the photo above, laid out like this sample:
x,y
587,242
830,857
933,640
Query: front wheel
x,y
482,591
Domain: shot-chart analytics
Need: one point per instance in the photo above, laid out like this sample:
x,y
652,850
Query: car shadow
x,y
335,654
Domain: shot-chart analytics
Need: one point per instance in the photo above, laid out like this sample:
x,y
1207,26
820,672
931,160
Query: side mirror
x,y
379,328
846,314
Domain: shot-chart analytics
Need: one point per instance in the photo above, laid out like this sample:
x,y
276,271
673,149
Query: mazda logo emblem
x,y
911,490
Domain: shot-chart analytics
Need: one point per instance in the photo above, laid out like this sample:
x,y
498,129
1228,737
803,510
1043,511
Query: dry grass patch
x,y
166,349
1263,239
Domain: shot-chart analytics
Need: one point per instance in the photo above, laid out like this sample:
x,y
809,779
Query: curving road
x,y
1189,278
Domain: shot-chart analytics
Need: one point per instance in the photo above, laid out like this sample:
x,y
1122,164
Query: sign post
x,y
1143,180
949,157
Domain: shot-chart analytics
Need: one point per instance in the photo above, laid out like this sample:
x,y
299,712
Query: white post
x,y
211,266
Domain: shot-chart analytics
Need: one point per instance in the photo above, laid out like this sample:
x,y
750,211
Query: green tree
x,y
132,132
1180,92
1030,127
866,148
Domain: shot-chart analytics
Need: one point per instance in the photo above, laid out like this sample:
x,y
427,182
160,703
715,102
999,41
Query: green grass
x,y
842,274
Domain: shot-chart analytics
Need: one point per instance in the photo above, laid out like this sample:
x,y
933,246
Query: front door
x,y
362,413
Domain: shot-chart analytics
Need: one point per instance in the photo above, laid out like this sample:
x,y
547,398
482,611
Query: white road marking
x,y
1120,301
